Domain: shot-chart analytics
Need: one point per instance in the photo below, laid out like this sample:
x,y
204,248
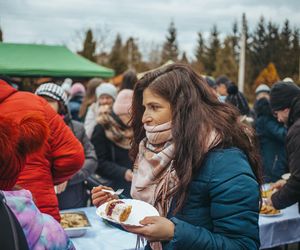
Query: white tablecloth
x,y
103,236
280,230
274,231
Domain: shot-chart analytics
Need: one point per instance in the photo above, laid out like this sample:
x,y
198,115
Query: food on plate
x,y
118,210
69,220
266,193
267,209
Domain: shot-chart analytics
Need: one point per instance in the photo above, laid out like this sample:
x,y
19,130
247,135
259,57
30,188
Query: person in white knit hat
x,y
106,94
111,138
262,91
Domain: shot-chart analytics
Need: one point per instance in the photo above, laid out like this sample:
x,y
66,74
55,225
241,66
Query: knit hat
x,y
223,80
237,99
262,88
282,95
123,102
16,141
77,89
66,85
53,91
106,89
211,82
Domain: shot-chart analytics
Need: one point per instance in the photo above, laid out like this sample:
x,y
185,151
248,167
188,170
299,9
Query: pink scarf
x,y
154,181
153,177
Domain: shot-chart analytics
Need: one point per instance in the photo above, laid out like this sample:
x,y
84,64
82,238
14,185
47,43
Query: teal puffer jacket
x,y
222,207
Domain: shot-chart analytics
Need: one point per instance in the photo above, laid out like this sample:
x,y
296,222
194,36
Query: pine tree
x,y
296,54
226,63
89,46
184,58
235,39
272,43
258,46
198,65
211,52
285,51
170,47
116,58
132,54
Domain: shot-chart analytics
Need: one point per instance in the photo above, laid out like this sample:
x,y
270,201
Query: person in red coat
x,y
61,158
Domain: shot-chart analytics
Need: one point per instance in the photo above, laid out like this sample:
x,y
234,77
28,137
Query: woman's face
x,y
106,100
157,109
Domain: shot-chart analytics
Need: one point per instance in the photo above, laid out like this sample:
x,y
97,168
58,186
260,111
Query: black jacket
x,y
289,194
271,135
113,161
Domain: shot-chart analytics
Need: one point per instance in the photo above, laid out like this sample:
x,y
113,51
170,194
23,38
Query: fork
x,y
118,192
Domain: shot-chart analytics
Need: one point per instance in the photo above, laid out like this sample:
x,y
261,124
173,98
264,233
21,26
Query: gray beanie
x,y
106,89
262,88
282,95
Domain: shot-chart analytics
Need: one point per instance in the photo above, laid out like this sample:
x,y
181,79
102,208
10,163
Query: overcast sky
x,y
60,21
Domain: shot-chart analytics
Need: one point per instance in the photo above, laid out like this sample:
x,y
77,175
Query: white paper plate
x,y
286,176
272,215
139,211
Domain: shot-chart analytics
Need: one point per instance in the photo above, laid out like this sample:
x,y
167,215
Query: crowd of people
x,y
189,145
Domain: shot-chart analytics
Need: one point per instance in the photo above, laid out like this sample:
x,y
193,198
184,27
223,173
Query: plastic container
x,y
77,231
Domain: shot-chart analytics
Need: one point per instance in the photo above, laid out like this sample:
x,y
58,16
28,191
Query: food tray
x,y
77,231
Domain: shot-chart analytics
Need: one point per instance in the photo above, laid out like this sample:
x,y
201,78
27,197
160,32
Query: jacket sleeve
x,y
289,194
90,121
106,167
234,214
90,162
66,151
276,130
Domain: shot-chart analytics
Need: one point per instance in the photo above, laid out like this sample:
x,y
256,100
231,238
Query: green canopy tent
x,y
32,60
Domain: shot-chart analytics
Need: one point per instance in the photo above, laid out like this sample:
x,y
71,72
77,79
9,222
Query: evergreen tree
x,y
89,46
226,63
1,35
170,47
132,54
116,58
285,52
235,40
258,46
272,43
295,64
200,54
211,52
184,58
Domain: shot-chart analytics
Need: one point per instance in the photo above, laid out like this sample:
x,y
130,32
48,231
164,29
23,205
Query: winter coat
x,y
62,156
75,194
113,161
222,205
271,135
74,107
289,194
41,230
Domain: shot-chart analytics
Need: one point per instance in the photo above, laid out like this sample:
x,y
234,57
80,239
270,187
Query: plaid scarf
x,y
119,134
154,180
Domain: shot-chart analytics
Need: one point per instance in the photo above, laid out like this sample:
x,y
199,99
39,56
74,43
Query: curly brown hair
x,y
196,114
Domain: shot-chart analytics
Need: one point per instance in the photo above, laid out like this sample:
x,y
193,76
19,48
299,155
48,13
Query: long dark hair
x,y
196,113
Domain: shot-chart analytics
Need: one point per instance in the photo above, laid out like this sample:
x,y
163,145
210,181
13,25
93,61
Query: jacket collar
x,y
6,90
